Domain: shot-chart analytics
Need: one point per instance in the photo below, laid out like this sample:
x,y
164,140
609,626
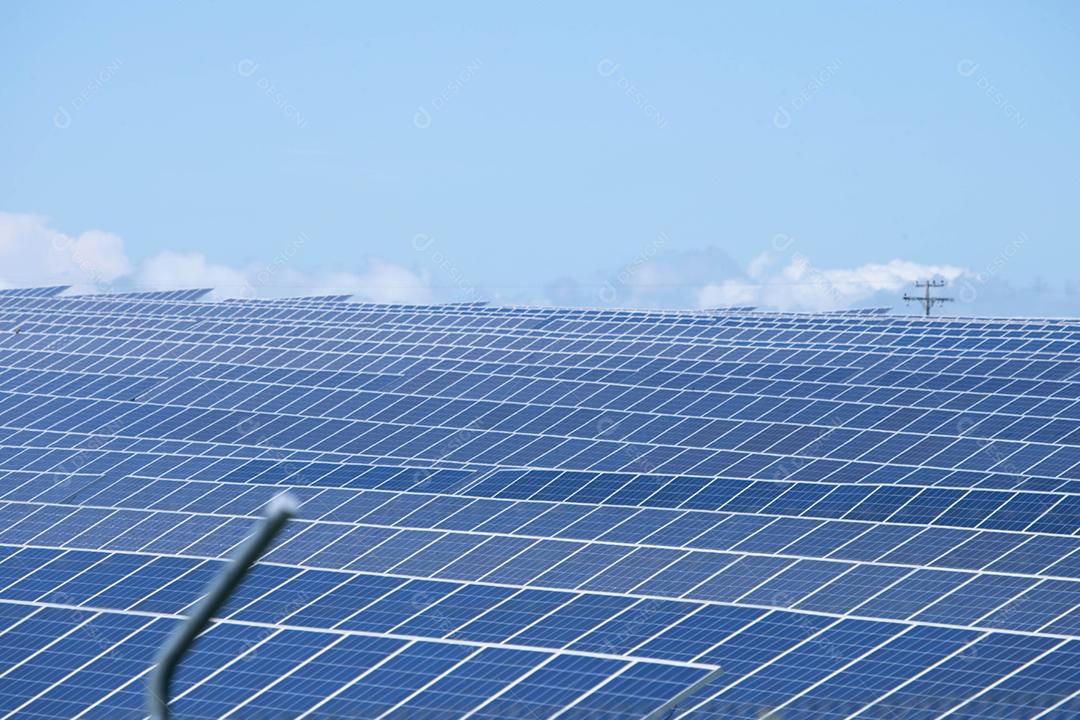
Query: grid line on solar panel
x,y
999,606
972,449
750,541
1053,498
945,344
438,365
796,320
84,617
418,481
32,487
697,375
875,578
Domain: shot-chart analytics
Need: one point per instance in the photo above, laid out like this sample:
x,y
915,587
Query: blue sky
x,y
790,154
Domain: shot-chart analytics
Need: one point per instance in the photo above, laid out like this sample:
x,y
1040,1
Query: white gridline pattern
x,y
111,345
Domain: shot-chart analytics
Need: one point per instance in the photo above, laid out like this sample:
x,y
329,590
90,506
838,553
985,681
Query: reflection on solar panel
x,y
538,512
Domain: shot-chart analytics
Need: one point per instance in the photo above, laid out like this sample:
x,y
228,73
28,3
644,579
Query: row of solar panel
x,y
554,359
913,592
886,500
864,661
802,320
276,673
776,535
1061,430
734,326
779,387
805,327
1042,512
741,638
345,337
732,393
775,399
806,652
618,429
774,471
1001,339
655,409
33,292
742,314
665,372
521,404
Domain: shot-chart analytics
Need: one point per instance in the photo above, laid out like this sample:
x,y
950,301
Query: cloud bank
x,y
710,278
32,252
798,285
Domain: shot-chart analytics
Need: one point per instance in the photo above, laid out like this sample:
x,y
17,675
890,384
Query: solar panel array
x,y
539,512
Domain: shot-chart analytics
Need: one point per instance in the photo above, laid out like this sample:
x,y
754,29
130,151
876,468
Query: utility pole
x,y
926,299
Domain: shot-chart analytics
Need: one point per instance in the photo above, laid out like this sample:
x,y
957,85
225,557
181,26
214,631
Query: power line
x,y
585,286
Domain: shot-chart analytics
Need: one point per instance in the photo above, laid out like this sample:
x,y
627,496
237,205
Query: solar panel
x,y
190,294
861,311
34,292
539,512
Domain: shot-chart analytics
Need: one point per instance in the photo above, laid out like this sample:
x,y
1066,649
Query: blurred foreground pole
x,y
278,513
667,710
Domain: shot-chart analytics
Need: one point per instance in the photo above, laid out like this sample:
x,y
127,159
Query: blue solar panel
x,y
539,512
34,292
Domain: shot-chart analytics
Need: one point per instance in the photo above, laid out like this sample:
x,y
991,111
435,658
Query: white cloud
x,y
799,285
176,271
727,294
779,279
33,253
380,281
659,277
759,265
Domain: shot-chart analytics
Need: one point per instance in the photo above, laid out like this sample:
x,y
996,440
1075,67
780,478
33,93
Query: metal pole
x,y
278,512
667,710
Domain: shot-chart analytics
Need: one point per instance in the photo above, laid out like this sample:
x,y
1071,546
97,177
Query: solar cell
x,y
539,512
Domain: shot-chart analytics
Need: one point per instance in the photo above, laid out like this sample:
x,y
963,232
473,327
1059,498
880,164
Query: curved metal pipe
x,y
278,512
